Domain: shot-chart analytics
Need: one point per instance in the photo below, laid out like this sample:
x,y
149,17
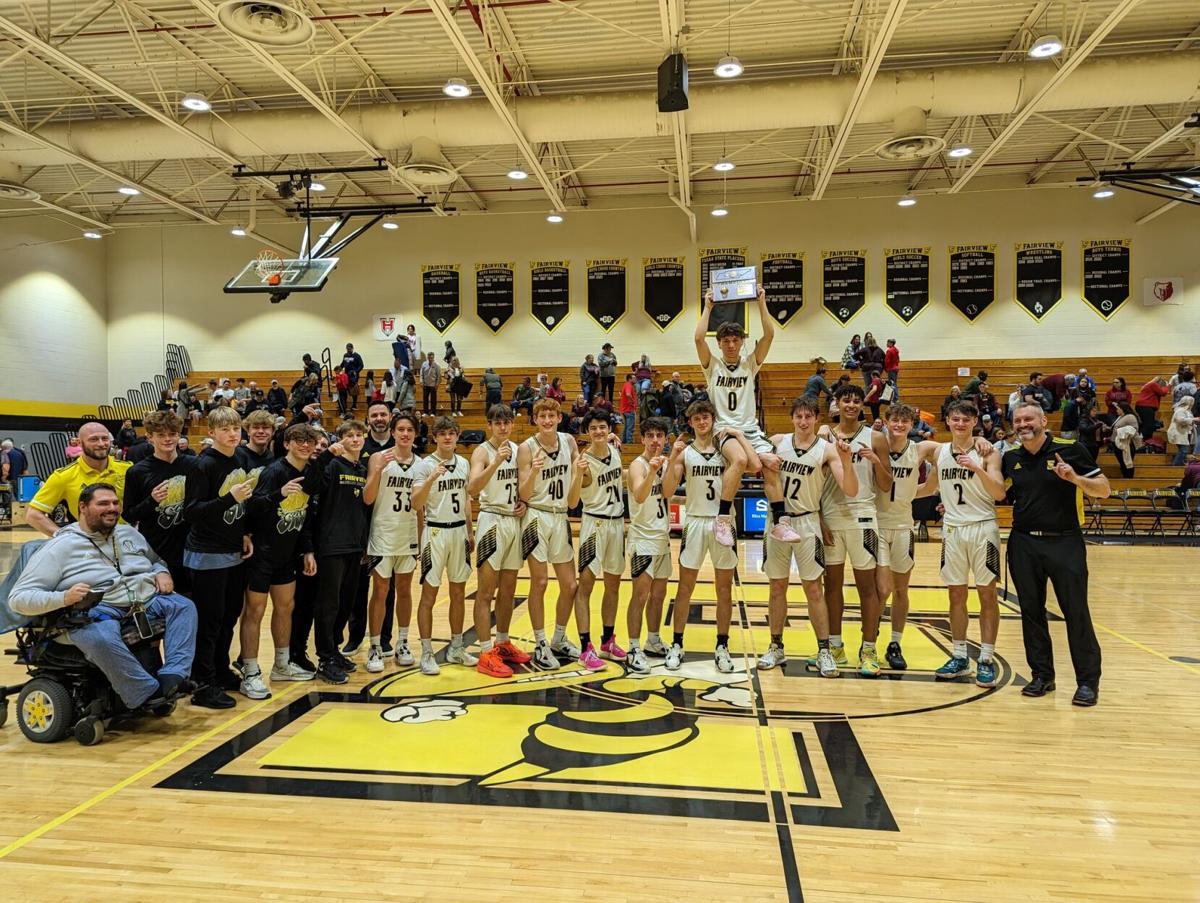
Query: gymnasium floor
x,y
693,785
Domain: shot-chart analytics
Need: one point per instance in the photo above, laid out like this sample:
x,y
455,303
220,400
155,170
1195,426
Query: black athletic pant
x,y
606,386
218,596
1032,560
1146,419
429,399
358,612
302,614
337,578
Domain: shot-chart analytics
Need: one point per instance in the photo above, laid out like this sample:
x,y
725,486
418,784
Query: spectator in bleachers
x,y
850,355
185,448
1071,413
671,400
891,362
523,397
341,385
14,463
406,392
578,412
603,406
387,390
1146,405
816,384
73,449
310,366
1182,428
628,407
870,358
1118,393
955,395
305,391
241,394
369,388
456,385
1034,391
1191,474
1085,384
449,354
400,356
186,405
990,429
555,391
431,377
414,347
1124,438
165,401
985,401
276,398
1186,385
1091,430
126,435
589,377
607,362
873,398
643,374
1177,376
493,388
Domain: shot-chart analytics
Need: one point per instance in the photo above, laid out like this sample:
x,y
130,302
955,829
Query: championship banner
x,y
1106,275
1039,276
906,281
662,289
387,327
781,274
844,283
549,292
439,294
494,293
722,259
606,291
972,279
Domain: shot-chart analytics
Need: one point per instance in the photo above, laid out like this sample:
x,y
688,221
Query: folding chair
x,y
1139,507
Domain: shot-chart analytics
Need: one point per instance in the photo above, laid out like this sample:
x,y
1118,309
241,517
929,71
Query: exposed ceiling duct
x,y
264,22
426,166
948,92
910,138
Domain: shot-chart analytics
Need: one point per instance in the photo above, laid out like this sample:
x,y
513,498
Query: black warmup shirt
x,y
162,522
218,520
344,519
277,523
138,452
1041,500
371,446
252,460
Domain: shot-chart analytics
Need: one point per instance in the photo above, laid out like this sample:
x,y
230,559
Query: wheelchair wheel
x,y
3,712
89,731
45,711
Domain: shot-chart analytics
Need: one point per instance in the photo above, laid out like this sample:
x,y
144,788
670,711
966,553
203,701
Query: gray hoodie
x,y
72,556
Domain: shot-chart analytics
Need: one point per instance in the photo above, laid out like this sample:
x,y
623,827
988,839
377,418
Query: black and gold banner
x,y
440,303
1106,265
662,289
722,259
906,281
972,279
606,291
844,283
1039,276
494,293
782,276
549,292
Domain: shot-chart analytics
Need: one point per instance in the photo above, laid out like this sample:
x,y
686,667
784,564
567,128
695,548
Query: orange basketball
x,y
273,279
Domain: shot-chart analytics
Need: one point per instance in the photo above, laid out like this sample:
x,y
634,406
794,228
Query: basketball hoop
x,y
268,265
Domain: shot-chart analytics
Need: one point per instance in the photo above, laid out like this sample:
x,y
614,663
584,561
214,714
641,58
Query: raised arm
x,y
482,470
880,460
641,479
421,490
701,337
375,465
768,328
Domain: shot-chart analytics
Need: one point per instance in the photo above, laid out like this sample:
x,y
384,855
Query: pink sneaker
x,y
590,660
613,650
723,531
783,532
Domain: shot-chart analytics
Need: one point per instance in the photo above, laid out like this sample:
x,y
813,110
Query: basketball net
x,y
268,264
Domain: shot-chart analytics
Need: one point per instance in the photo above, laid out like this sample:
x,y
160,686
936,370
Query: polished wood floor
x,y
698,786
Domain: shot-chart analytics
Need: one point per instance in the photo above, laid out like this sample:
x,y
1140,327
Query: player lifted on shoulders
x,y
699,467
494,479
849,527
730,377
653,479
445,543
804,461
549,485
971,485
601,540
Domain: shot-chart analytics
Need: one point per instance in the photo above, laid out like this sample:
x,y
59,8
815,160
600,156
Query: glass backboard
x,y
294,276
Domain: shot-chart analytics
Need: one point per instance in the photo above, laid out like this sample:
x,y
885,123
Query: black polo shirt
x,y
1041,499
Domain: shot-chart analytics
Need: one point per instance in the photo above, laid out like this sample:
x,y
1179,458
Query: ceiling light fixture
x,y
728,67
1102,193
92,235
1046,46
238,231
196,103
720,210
907,201
724,165
960,150
128,191
554,217
390,224
456,88
316,186
517,174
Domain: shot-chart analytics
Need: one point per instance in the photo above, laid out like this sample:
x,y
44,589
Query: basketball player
x,y
653,479
700,467
549,485
970,539
731,390
849,527
446,542
494,478
601,539
804,461
394,541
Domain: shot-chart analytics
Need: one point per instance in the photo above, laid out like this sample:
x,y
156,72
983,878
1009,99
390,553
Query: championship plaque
x,y
736,284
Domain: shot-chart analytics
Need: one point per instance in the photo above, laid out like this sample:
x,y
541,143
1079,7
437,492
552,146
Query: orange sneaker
x,y
492,665
510,654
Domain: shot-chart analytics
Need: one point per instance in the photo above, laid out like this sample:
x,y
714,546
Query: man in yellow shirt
x,y
65,484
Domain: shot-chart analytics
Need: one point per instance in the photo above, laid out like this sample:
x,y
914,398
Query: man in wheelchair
x,y
100,582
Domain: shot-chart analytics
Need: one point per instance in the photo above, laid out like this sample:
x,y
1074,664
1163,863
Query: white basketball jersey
x,y
702,473
841,512
731,390
895,506
499,493
447,501
802,474
603,494
963,493
649,521
393,521
553,479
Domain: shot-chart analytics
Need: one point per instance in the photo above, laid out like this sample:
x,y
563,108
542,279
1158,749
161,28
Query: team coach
x,y
1047,478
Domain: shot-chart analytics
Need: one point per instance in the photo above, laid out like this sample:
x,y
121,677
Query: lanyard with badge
x,y
136,610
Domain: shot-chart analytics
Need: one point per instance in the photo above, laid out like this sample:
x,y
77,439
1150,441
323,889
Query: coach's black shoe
x,y
345,664
895,658
1039,686
331,672
1085,696
227,680
213,698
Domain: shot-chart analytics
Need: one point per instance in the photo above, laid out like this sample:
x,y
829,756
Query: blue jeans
x,y
628,432
101,643
644,385
1181,454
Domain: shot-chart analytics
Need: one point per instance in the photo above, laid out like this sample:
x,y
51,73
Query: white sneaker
x,y
636,660
564,648
429,665
375,660
772,658
723,659
675,657
253,687
458,655
656,647
291,671
544,658
404,655
826,665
